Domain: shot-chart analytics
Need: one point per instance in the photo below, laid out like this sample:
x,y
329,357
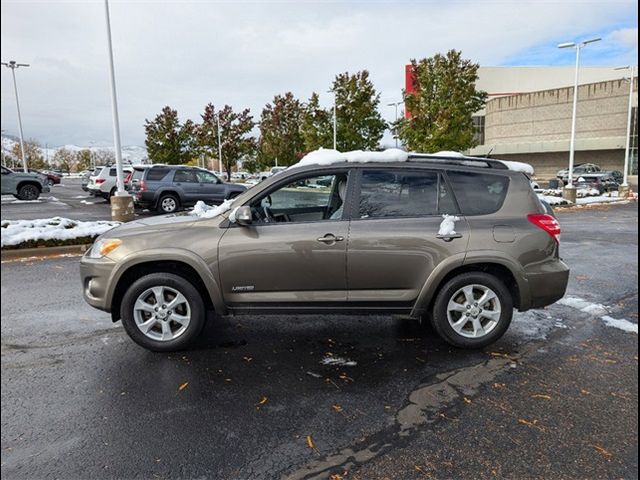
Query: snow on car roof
x,y
329,156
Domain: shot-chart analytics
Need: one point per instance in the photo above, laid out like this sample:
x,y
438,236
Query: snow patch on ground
x,y
328,157
203,210
598,310
15,232
88,203
533,325
621,324
338,361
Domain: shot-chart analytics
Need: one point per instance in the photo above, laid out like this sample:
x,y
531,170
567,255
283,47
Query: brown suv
x,y
357,234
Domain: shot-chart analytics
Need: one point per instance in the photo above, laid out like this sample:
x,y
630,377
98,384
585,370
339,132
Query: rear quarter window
x,y
479,193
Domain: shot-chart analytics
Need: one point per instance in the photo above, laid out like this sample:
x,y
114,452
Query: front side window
x,y
309,199
389,193
206,177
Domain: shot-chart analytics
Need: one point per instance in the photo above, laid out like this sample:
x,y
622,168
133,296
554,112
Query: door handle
x,y
448,238
330,238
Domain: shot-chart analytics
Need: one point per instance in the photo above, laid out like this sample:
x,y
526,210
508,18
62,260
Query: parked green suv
x,y
456,241
23,186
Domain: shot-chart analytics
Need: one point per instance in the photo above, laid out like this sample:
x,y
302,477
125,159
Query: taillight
x,y
142,187
127,178
546,222
100,180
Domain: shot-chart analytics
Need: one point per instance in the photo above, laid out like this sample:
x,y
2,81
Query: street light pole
x,y
121,203
578,46
395,104
13,65
335,120
219,143
625,181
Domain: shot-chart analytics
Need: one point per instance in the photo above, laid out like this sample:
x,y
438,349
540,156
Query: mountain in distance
x,y
130,153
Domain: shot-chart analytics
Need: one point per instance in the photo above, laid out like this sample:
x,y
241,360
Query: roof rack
x,y
480,162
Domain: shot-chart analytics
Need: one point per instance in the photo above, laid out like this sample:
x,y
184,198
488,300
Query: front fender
x,y
172,255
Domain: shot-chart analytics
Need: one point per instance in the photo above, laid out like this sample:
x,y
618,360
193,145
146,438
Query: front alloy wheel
x,y
28,192
163,312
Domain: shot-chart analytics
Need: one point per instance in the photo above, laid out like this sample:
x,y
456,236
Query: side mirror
x,y
243,216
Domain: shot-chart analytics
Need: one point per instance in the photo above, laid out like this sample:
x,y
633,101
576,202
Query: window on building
x,y
478,126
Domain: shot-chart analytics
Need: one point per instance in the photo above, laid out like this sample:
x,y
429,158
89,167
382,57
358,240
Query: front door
x,y
393,239
294,252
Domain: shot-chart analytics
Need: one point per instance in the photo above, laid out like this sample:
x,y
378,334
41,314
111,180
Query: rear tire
x,y
163,312
472,310
28,192
168,204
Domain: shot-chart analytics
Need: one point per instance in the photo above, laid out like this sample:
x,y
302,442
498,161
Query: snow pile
x,y
449,154
15,232
203,210
519,167
621,324
328,157
587,192
554,200
448,225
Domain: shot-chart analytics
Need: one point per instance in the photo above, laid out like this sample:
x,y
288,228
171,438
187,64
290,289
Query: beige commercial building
x,y
528,117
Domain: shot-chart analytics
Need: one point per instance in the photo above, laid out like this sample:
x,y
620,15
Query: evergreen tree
x,y
316,129
168,141
281,139
442,104
33,154
235,140
359,123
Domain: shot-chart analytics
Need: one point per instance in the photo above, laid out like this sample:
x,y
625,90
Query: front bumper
x,y
95,275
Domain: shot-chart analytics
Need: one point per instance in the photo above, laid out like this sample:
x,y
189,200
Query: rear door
x,y
185,179
393,237
211,187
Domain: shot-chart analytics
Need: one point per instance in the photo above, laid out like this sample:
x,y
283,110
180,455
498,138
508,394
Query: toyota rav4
x,y
456,241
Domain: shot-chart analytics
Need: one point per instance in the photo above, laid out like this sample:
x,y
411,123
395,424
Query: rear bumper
x,y
547,283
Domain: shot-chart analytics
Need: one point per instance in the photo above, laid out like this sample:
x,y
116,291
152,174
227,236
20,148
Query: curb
x,y
43,252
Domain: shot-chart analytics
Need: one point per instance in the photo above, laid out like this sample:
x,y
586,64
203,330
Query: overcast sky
x,y
188,53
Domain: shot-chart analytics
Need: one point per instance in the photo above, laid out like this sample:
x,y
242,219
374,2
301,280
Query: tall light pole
x,y
13,65
335,120
625,181
395,104
219,143
121,203
578,46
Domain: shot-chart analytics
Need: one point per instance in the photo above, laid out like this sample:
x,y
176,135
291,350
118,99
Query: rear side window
x,y
389,193
113,172
157,174
479,193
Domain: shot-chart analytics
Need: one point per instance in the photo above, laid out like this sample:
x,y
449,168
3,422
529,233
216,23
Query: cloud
x,y
625,37
188,53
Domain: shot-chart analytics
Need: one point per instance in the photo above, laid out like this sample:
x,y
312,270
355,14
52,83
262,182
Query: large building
x,y
528,117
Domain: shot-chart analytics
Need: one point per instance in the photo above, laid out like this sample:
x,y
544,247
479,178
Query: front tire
x,y
163,312
472,310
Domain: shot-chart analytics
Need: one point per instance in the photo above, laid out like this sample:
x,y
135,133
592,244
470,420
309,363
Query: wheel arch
x,y
35,183
496,265
192,270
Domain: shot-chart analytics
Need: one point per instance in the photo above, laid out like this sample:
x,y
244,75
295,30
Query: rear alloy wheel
x,y
162,312
28,192
472,310
168,204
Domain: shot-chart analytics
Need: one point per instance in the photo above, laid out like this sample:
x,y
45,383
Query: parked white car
x,y
102,183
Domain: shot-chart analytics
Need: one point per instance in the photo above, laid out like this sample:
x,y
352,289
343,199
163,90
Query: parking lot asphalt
x,y
64,200
555,398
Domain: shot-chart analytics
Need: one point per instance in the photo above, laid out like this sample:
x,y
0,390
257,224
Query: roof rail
x,y
463,160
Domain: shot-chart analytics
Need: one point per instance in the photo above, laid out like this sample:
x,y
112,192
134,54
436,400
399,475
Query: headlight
x,y
103,246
